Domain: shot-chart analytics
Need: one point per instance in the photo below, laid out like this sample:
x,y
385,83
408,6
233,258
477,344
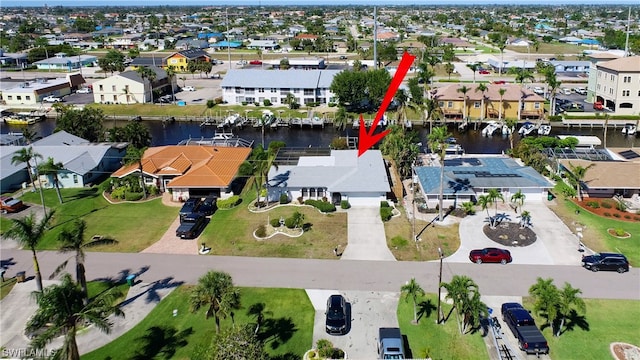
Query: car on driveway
x,y
484,72
208,206
51,99
490,255
11,205
255,62
606,261
336,321
85,90
189,88
191,225
538,90
192,205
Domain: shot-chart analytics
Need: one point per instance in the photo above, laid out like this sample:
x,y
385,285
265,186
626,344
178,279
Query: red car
x,y
255,62
490,255
499,82
10,205
484,72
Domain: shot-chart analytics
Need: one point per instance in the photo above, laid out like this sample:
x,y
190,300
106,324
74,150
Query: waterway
x,y
472,140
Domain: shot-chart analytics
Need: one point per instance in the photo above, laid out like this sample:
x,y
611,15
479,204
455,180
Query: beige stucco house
x,y
129,87
618,85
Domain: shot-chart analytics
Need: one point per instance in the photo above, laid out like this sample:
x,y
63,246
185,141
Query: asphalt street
x,y
343,275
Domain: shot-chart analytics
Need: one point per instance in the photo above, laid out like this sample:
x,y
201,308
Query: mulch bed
x,y
510,234
611,212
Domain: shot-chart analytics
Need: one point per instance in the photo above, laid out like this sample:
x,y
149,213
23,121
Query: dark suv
x,y
208,206
192,205
191,226
336,315
606,261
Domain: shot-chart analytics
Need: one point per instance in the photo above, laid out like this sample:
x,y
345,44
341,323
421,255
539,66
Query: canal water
x,y
472,140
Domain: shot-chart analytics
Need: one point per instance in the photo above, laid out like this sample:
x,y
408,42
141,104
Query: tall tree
x,y
28,232
72,239
518,199
495,195
510,123
502,91
464,293
449,68
412,290
135,156
216,292
112,61
577,174
569,300
546,297
61,307
553,84
485,202
401,147
146,73
474,67
51,169
25,155
86,123
341,118
171,74
237,343
438,144
483,110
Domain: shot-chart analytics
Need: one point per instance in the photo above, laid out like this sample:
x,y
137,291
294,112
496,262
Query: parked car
x,y
490,255
499,82
343,57
51,99
524,329
538,90
606,261
10,205
85,90
580,90
166,99
255,62
242,62
598,105
189,88
484,72
192,205
574,107
191,225
208,206
336,315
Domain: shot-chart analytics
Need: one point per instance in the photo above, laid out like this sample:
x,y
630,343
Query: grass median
x,y
287,328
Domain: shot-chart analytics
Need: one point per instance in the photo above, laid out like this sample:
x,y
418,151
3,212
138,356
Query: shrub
x,y
554,118
228,203
132,196
244,103
384,203
275,222
616,215
324,198
344,204
385,213
153,190
628,217
327,351
218,100
593,204
332,104
284,199
606,205
266,102
300,200
261,231
211,103
105,186
118,193
620,232
290,222
621,206
607,214
323,206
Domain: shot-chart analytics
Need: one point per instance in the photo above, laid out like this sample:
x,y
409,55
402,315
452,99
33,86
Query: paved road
x,y
361,275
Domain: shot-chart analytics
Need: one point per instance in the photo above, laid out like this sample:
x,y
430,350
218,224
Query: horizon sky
x,y
103,3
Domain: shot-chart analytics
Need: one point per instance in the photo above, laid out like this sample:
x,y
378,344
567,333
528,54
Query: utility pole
x,y
226,12
375,39
440,288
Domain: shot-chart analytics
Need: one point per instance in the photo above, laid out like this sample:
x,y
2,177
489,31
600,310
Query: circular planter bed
x,y
615,234
282,230
624,351
510,234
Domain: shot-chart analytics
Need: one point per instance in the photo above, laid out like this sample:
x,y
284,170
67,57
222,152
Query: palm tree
x,y
501,45
402,99
578,174
474,67
171,73
553,84
485,202
437,140
464,90
51,169
425,75
518,199
135,156
546,297
568,300
148,74
511,125
483,89
412,289
73,240
495,195
28,233
502,91
464,293
525,219
216,292
449,68
25,155
61,310
341,118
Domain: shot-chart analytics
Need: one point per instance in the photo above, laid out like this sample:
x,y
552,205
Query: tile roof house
x,y
84,162
190,170
604,179
341,175
450,101
468,177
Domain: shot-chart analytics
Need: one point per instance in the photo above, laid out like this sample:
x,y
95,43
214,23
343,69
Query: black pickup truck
x,y
523,327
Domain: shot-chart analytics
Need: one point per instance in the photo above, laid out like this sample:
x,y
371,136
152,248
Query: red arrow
x,y
367,139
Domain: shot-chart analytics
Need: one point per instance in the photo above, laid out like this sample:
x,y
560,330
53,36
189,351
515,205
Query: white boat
x,y
223,136
629,129
526,129
544,130
453,151
229,120
463,126
506,130
491,128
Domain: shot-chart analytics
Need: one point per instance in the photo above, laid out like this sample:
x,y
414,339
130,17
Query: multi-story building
x,y
306,86
618,85
129,87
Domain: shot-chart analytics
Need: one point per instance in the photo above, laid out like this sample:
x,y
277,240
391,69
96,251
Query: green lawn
x,y
122,222
230,232
288,329
549,48
605,321
595,228
6,286
5,224
438,342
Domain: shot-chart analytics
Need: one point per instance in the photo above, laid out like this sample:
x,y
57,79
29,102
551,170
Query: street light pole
x,y
440,287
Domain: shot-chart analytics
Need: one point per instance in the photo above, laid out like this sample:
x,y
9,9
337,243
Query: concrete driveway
x,y
365,234
368,310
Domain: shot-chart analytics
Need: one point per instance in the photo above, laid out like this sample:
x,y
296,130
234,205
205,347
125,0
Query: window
x,y
260,90
304,192
284,90
75,178
115,98
18,97
450,104
27,97
101,88
612,77
9,97
113,88
536,105
625,92
101,98
250,99
476,104
611,91
308,92
321,192
250,91
312,192
274,100
441,103
296,91
627,79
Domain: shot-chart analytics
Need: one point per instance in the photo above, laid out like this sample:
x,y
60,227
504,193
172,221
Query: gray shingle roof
x,y
294,79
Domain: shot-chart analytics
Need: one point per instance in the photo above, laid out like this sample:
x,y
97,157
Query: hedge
x,y
275,222
385,213
132,196
344,204
323,206
228,203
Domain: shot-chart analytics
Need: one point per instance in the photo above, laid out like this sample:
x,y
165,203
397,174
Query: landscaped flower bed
x,y
607,208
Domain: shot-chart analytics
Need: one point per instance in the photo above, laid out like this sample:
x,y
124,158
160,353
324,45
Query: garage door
x,y
531,194
364,200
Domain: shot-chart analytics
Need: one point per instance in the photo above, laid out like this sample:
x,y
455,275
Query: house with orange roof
x,y
190,170
307,37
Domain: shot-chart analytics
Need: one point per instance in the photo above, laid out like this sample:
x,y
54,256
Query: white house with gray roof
x,y
84,162
307,86
342,175
130,88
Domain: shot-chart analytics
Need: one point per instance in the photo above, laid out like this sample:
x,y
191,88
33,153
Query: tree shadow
x,y
161,342
277,331
574,320
425,308
83,194
306,227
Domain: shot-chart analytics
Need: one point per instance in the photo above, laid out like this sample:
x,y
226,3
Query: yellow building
x,y
515,102
180,59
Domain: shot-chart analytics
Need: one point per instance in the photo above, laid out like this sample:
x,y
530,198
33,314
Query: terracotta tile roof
x,y
513,93
626,64
197,166
306,36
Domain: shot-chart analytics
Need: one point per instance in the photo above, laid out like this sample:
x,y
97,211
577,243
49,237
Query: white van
x,y
566,91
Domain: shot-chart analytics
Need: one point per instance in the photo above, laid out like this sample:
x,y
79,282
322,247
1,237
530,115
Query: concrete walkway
x,y
366,236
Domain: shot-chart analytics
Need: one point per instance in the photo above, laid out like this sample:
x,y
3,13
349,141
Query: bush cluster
x,y
119,193
284,199
606,205
228,203
275,222
132,196
385,211
344,204
327,351
323,206
593,204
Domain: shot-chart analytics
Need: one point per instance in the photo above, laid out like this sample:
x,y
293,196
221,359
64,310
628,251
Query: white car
x,y
51,99
84,91
189,88
538,90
